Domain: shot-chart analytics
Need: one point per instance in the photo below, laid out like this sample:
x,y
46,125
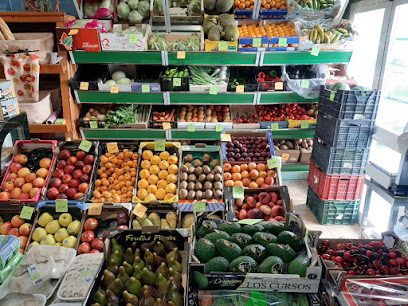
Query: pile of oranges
x,y
252,175
244,4
158,176
270,30
273,4
116,177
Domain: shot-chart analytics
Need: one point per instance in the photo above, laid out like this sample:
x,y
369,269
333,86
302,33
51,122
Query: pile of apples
x,y
267,206
17,227
22,184
250,118
248,149
71,178
57,232
270,113
296,112
252,175
94,235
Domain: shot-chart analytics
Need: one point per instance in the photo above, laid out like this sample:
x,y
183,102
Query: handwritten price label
x,y
166,126
315,51
274,126
133,38
282,42
226,137
85,145
222,46
191,128
84,86
176,82
249,221
145,88
95,210
219,127
273,163
199,206
304,125
256,42
240,89
279,86
27,212
159,145
213,90
112,147
238,192
139,210
61,205
93,124
305,84
114,89
181,55
285,156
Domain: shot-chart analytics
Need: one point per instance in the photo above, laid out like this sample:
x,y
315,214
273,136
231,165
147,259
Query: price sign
x,y
35,275
256,42
176,82
305,84
166,126
315,51
114,89
95,210
181,54
84,86
222,46
213,90
61,205
112,147
133,38
238,192
285,156
73,32
85,145
191,128
306,235
139,210
249,221
160,145
279,86
27,212
226,137
199,206
304,124
219,127
93,124
274,126
240,89
85,275
332,95
145,88
273,163
283,42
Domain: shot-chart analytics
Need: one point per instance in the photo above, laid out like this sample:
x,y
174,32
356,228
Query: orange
x,y
160,193
253,185
142,194
164,164
238,183
173,159
155,160
98,183
154,169
143,184
162,184
151,188
147,154
227,176
145,164
229,183
144,174
153,179
163,174
236,177
171,188
171,178
173,169
244,167
236,169
164,155
251,166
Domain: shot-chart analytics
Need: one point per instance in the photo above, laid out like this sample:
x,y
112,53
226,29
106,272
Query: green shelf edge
x,y
295,167
106,57
293,133
281,58
205,98
123,134
283,97
214,58
123,97
198,134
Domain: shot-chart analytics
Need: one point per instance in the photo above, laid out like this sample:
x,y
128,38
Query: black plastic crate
x,y
334,160
88,73
158,124
344,133
349,104
269,85
167,83
244,76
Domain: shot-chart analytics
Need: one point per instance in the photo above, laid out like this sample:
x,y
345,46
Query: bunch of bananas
x,y
316,4
320,35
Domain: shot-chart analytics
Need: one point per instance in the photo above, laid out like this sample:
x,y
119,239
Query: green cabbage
x,y
133,4
144,9
117,75
123,10
158,7
135,17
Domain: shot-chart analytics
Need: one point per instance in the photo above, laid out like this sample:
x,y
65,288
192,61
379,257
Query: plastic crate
x,y
167,83
344,133
349,104
335,187
333,160
332,212
92,74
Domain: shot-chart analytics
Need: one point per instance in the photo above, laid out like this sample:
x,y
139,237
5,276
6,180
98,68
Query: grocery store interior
x,y
203,152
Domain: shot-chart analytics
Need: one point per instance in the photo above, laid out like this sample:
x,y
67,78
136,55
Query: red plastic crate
x,y
335,187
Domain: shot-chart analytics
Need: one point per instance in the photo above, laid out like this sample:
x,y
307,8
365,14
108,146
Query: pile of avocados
x,y
266,247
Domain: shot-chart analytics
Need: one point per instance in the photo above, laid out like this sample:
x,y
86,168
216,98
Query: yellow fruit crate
x,y
303,124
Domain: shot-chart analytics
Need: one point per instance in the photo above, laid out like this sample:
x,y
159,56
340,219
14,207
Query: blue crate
x,y
267,124
249,41
273,14
290,40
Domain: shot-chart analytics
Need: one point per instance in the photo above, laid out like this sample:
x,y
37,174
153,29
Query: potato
x,y
276,148
290,144
284,147
309,142
299,141
183,194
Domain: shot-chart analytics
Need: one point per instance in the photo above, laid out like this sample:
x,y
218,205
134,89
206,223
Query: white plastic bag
x,y
296,11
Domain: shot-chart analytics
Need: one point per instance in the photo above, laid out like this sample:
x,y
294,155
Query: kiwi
x,y
208,194
206,158
202,178
189,158
199,195
214,163
198,186
183,194
210,177
183,185
183,176
198,171
197,163
192,178
191,195
190,170
217,169
218,185
208,185
206,169
183,168
218,177
190,186
218,194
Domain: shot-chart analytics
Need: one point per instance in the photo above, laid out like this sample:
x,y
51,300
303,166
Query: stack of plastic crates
x,y
340,153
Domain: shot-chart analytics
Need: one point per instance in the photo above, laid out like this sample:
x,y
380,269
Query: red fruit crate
x,y
335,187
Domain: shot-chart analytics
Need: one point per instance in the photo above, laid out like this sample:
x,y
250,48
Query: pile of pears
x,y
149,275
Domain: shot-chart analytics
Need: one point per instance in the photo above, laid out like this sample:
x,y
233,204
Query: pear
x,y
159,249
151,290
117,247
174,254
112,298
116,287
129,298
117,257
108,277
174,274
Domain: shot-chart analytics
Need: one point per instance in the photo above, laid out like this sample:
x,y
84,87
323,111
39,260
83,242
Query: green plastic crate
x,y
332,212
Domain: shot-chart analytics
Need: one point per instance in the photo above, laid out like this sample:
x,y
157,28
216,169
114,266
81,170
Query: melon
x,y
231,33
209,5
339,85
226,20
224,6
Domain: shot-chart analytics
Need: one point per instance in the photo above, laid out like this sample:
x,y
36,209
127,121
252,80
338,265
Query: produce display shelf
x,y
52,69
281,133
122,97
278,97
205,98
123,134
48,128
211,58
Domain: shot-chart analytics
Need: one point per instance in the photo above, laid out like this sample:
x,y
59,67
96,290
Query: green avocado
x,y
200,280
272,264
299,265
241,239
217,264
206,227
227,249
205,250
274,228
215,235
264,238
252,229
230,227
283,251
244,264
256,251
294,241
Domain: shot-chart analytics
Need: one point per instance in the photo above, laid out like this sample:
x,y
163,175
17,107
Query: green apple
x,y
70,242
65,219
33,244
39,233
58,244
48,240
74,227
61,234
44,219
52,227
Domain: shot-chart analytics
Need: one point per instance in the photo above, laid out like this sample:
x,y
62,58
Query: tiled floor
x,y
298,193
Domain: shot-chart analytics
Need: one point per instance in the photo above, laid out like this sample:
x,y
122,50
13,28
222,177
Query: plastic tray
x,y
332,212
332,160
335,187
349,104
9,246
92,74
167,83
344,133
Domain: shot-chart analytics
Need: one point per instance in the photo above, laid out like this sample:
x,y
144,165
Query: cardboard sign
x,y
191,128
273,163
61,205
199,206
112,147
114,89
93,124
181,54
166,126
238,192
84,86
213,90
226,137
85,145
240,89
27,212
139,210
95,210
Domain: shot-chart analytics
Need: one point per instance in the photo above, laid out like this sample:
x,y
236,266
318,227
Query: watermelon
x,y
339,85
361,88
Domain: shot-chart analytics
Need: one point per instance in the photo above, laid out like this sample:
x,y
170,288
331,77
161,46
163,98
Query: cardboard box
x,y
211,45
244,110
112,42
290,155
180,36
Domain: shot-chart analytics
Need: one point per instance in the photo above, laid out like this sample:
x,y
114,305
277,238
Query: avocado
x,y
299,265
241,239
264,238
227,249
274,227
206,227
294,241
205,250
230,227
200,280
256,251
272,264
244,264
214,236
283,251
252,229
217,264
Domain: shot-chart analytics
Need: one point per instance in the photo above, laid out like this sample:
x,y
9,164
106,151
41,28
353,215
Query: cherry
x,y
370,272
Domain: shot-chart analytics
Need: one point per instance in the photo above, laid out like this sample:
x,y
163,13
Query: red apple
x,y
12,177
14,167
5,228
63,188
69,169
74,184
80,155
52,193
87,236
25,229
66,179
83,187
84,247
5,196
97,244
122,227
24,196
79,164
94,251
91,224
89,159
16,221
24,240
8,186
87,169
61,164
62,196
71,192
14,232
72,160
84,178
58,173
55,182
78,196
77,174
65,154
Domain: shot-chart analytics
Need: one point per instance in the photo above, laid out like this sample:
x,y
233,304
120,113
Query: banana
x,y
342,30
314,38
320,31
310,35
326,38
335,39
329,33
